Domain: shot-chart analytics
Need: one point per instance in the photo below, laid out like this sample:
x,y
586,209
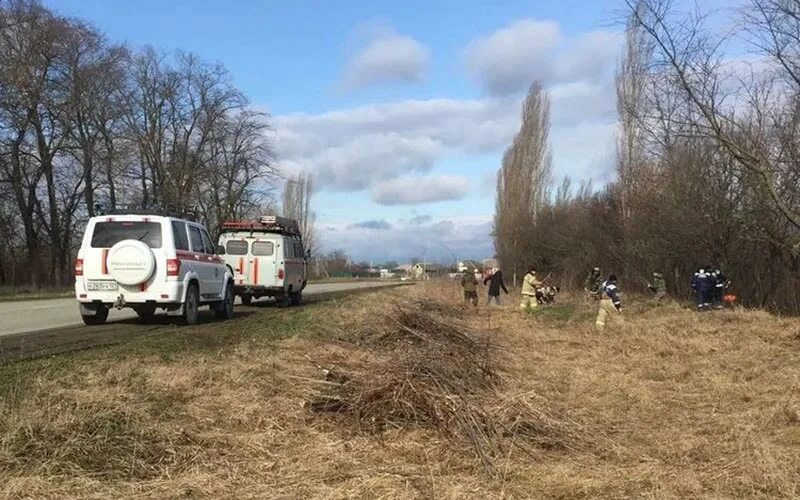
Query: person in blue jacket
x,y
703,284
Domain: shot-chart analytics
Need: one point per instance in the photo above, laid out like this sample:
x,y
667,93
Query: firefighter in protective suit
x,y
529,285
610,305
658,286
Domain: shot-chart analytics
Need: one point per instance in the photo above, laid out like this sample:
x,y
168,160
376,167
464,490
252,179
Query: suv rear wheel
x,y
191,306
226,308
98,318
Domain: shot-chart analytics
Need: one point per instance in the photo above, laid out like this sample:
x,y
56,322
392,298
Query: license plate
x,y
102,286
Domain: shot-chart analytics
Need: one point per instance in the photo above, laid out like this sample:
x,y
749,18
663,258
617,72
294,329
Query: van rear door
x,y
237,256
263,269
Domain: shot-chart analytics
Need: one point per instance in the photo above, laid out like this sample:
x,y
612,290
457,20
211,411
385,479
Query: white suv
x,y
148,261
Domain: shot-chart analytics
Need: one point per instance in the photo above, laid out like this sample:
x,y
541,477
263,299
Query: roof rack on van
x,y
267,223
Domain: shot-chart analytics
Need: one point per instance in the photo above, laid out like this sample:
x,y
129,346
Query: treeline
x,y
708,164
89,125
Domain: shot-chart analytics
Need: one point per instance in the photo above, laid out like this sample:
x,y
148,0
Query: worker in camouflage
x,y
470,285
529,285
610,305
659,287
593,283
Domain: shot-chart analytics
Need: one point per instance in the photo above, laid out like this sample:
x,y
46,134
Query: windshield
x,y
108,234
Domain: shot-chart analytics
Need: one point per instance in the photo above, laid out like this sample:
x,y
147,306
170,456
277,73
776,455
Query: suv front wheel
x,y
225,310
191,306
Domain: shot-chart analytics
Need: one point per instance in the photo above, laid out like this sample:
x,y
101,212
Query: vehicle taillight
x,y
173,267
78,267
280,274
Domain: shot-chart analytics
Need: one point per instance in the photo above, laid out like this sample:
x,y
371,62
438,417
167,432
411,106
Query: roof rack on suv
x,y
165,210
267,223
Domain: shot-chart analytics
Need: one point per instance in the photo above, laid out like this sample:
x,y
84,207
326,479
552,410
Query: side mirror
x,y
220,250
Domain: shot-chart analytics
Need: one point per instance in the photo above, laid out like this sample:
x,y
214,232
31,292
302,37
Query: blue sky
x,y
400,110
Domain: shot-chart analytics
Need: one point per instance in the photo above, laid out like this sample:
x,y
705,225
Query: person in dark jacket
x,y
495,282
720,284
703,284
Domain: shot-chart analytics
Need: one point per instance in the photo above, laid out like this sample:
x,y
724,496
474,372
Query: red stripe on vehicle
x,y
255,271
104,262
187,255
142,287
241,265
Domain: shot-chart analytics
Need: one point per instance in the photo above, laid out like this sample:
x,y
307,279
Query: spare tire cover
x,y
131,262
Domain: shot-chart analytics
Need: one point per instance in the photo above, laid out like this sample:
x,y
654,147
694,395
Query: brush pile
x,y
432,370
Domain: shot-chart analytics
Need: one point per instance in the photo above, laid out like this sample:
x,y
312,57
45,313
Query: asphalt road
x,y
36,315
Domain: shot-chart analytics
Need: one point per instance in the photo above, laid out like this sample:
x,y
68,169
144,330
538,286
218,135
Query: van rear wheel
x,y
247,299
295,298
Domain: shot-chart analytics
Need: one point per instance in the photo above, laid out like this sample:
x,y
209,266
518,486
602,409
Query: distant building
x,y
469,265
490,263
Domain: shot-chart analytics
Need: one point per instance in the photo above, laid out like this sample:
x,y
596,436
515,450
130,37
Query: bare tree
x,y
85,122
693,59
523,182
296,204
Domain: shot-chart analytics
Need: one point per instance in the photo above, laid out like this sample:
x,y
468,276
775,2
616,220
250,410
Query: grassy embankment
x,y
8,294
386,396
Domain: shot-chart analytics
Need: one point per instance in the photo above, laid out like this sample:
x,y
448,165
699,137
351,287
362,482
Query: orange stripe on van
x,y
255,271
241,265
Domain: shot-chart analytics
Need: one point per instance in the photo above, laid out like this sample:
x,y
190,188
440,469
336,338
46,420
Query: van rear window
x,y
263,248
108,234
236,247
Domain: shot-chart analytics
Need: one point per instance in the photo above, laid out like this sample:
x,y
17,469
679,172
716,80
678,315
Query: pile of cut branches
x,y
433,371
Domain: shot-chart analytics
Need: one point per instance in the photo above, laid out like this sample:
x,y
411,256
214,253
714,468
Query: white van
x,y
267,258
144,260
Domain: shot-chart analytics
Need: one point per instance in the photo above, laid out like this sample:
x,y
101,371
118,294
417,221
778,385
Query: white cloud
x,y
353,149
387,58
511,58
584,151
440,240
589,57
414,190
377,225
508,60
390,151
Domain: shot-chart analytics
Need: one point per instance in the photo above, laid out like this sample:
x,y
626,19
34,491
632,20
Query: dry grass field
x,y
408,394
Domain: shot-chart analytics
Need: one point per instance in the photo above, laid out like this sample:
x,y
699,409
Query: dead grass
x,y
667,404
